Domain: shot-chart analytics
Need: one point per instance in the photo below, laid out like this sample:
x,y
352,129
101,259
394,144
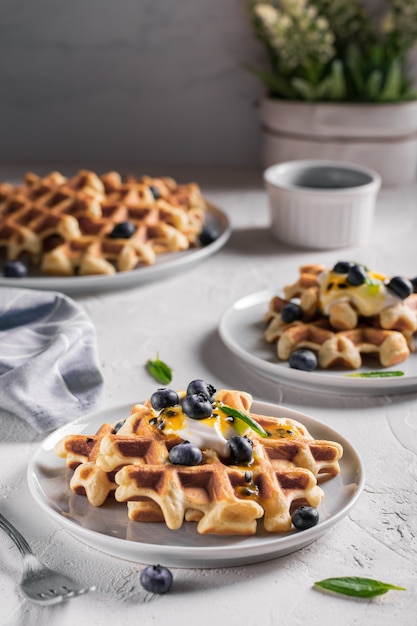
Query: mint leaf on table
x,y
376,374
159,370
356,586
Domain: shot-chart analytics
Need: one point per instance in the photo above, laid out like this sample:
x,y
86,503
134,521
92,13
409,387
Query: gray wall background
x,y
139,81
153,81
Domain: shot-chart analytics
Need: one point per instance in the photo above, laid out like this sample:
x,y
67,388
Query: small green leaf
x,y
159,370
376,374
244,417
356,586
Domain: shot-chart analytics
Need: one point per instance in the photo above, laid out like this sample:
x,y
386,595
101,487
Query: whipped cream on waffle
x,y
210,432
369,299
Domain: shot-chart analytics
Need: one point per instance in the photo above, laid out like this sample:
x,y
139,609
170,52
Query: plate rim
x,y
135,277
254,549
330,382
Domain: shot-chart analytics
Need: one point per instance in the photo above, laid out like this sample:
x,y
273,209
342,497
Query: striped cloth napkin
x,y
49,368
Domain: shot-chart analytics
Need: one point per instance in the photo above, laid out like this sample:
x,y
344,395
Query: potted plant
x,y
338,83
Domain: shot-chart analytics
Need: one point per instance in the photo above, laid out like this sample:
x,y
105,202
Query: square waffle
x,y
64,226
130,462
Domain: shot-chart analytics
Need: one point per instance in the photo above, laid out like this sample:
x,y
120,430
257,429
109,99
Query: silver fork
x,y
39,583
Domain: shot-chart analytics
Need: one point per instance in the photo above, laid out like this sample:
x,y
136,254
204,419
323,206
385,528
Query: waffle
x,y
64,226
342,313
221,497
339,333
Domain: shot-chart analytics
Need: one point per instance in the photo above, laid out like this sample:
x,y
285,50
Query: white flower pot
x,y
380,136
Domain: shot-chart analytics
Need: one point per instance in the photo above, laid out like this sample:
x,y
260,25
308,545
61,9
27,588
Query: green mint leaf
x,y
244,417
356,586
375,374
159,370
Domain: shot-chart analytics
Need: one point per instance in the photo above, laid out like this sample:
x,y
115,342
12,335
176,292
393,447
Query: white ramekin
x,y
321,204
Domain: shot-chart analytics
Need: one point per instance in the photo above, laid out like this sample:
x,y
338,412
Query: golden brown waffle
x,y
342,348
221,496
341,336
65,225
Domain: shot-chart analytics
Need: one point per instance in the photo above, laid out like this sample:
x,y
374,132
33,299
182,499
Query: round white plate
x,y
242,330
108,528
165,265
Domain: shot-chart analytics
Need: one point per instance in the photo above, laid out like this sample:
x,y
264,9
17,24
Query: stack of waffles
x,y
333,323
130,462
65,226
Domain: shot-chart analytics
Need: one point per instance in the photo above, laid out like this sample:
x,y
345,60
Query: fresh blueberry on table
x,y
163,398
291,312
197,406
303,359
201,386
305,517
123,230
185,453
15,269
402,287
241,449
156,579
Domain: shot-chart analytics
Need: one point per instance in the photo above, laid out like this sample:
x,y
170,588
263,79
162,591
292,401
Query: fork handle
x,y
14,534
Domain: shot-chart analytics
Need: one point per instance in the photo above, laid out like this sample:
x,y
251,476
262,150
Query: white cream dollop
x,y
210,432
369,299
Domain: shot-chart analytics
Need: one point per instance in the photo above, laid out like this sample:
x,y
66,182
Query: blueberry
x,y
305,517
291,312
155,192
208,235
118,426
15,269
303,359
356,275
197,406
402,287
163,398
342,267
156,579
123,230
200,386
185,453
241,449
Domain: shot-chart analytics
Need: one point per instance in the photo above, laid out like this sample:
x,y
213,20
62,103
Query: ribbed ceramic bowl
x,y
321,204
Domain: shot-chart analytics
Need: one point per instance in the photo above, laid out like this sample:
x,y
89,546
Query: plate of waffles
x,y
96,232
242,329
333,486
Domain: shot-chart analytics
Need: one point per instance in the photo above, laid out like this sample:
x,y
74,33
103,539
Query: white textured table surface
x,y
179,317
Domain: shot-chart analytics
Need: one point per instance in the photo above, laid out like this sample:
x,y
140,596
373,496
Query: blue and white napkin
x,y
49,369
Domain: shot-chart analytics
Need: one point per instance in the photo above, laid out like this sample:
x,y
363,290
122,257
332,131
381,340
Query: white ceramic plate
x,y
108,528
242,329
165,265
